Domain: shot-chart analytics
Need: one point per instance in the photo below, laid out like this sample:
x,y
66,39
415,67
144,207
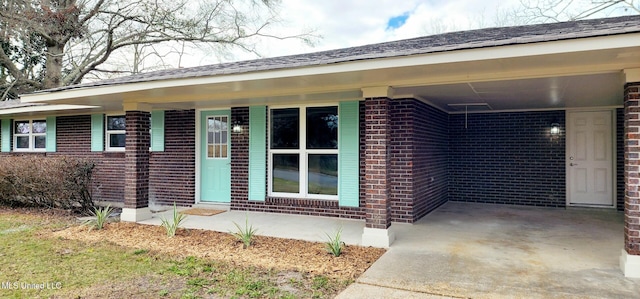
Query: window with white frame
x,y
30,135
217,136
116,132
303,152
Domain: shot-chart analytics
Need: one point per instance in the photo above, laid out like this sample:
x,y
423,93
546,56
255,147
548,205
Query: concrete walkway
x,y
466,250
273,225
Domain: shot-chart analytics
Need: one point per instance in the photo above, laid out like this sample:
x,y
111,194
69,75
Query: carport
x,y
471,250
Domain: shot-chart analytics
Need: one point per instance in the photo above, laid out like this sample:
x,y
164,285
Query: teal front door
x,y
215,156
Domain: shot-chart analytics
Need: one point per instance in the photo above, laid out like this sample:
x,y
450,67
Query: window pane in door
x,y
285,128
322,127
217,136
286,173
323,174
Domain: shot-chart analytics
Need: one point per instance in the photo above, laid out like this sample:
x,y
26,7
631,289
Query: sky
x,y
348,23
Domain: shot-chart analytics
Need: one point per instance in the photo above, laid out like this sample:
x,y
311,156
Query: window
x,y
30,135
217,136
303,151
116,132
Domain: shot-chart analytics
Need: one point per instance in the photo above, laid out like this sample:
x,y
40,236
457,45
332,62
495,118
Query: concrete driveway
x,y
466,250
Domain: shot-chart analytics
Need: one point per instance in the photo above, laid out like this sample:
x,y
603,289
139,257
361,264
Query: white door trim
x,y
614,171
198,151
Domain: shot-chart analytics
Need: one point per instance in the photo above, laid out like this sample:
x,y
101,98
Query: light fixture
x,y
555,129
237,128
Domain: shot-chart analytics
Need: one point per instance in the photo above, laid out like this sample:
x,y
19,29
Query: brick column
x,y
136,174
377,168
630,259
377,162
240,158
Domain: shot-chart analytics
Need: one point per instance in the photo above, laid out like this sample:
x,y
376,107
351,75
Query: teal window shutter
x,y
97,132
257,152
51,134
349,154
157,131
6,135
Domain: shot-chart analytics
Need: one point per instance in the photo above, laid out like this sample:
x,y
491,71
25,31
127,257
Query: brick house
x,y
541,115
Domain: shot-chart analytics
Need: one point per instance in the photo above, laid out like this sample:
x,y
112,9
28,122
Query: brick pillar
x,y
630,259
136,173
377,172
377,162
240,158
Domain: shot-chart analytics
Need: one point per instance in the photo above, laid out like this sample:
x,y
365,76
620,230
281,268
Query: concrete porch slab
x,y
273,225
495,251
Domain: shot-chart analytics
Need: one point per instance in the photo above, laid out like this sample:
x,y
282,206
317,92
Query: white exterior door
x,y
590,177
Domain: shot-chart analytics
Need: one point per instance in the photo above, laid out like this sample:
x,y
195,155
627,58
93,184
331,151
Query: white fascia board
x,y
44,108
453,56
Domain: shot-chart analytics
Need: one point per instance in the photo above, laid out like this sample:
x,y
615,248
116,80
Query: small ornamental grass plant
x,y
245,234
172,225
334,244
101,216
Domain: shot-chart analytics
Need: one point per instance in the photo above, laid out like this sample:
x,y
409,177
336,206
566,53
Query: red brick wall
x,y
507,158
632,168
401,178
172,172
73,138
430,163
419,159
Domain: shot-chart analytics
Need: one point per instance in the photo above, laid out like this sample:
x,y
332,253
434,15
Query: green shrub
x,y
172,226
334,244
50,182
101,216
246,234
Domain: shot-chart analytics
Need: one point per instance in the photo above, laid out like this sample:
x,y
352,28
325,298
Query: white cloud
x,y
351,23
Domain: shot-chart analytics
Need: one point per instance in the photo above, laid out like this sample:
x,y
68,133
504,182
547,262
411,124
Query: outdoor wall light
x,y
555,129
237,128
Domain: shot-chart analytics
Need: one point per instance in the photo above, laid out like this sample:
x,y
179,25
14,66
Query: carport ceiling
x,y
594,90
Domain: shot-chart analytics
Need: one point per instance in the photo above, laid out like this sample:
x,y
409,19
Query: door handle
x,y
573,164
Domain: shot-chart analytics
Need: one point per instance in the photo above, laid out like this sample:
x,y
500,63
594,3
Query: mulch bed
x,y
266,252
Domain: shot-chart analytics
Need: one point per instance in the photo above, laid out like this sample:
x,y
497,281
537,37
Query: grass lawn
x,y
36,264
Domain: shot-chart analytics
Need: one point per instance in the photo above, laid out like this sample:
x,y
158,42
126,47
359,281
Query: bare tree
x,y
69,39
545,11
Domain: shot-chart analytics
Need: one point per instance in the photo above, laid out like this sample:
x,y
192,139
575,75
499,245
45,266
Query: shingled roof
x,y
473,39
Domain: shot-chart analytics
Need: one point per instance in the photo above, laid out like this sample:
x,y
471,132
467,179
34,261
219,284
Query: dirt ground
x,y
266,252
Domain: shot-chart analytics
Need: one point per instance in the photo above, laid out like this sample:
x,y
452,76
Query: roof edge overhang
x,y
599,43
44,109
